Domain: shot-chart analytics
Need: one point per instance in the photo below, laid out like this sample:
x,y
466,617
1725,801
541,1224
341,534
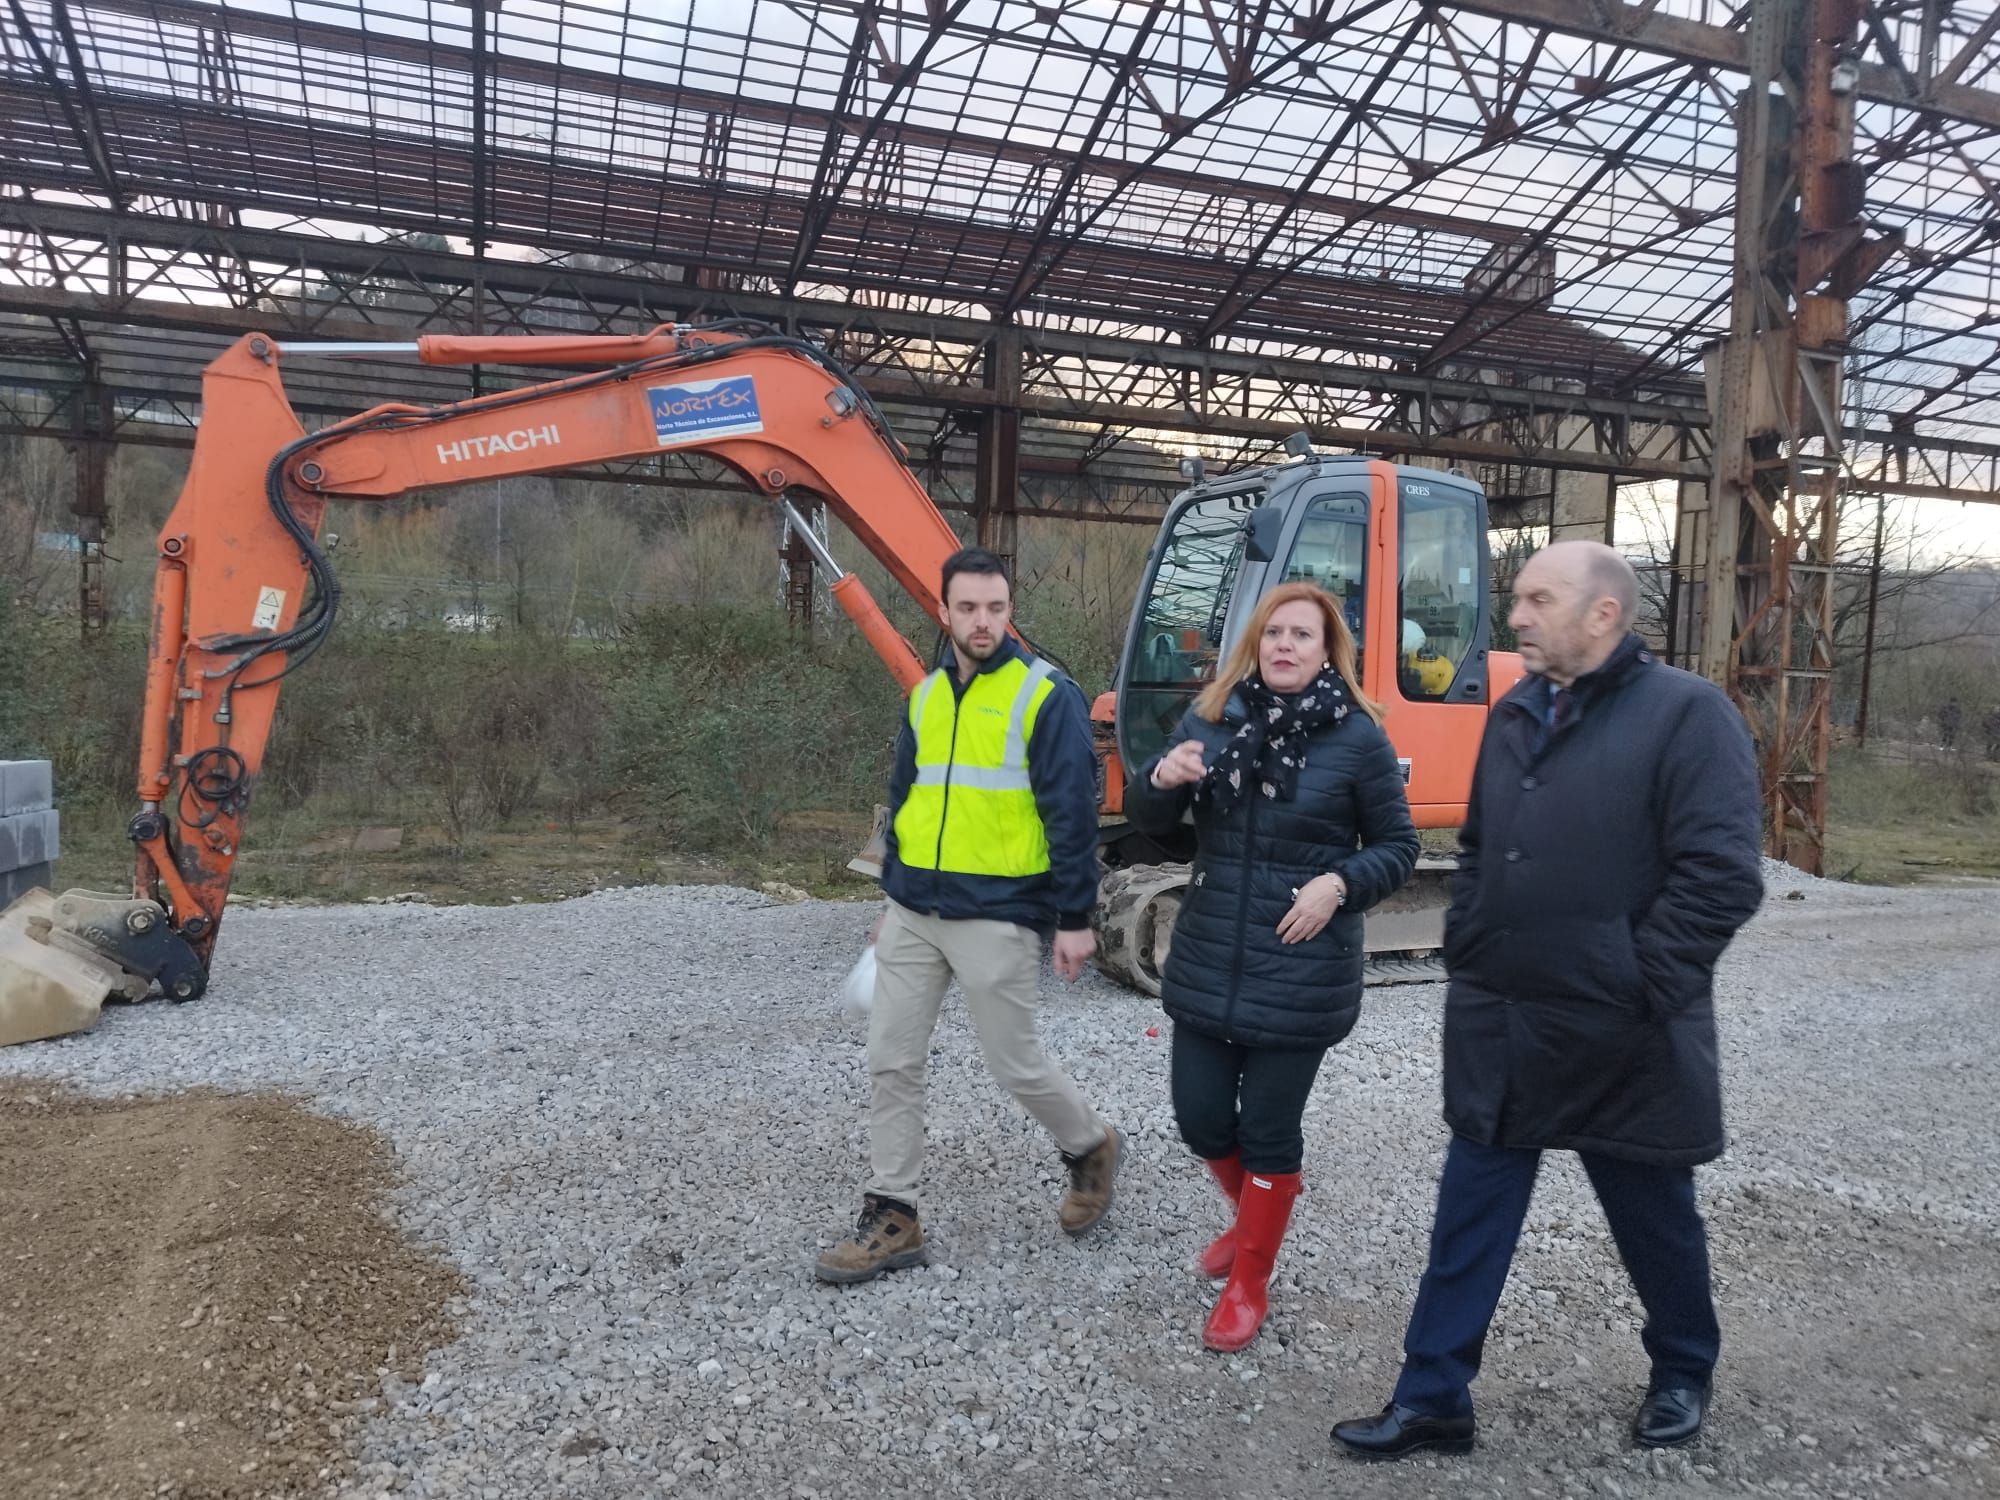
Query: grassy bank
x,y
1908,813
696,745
1892,823
304,856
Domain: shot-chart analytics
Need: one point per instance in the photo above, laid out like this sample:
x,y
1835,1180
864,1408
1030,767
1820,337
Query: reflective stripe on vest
x,y
971,809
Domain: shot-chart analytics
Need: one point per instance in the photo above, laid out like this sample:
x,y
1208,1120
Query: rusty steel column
x,y
997,478
1767,539
1727,534
795,564
1582,505
90,426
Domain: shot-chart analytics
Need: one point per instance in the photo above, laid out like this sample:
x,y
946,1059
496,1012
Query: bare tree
x,y
37,564
1511,547
1886,552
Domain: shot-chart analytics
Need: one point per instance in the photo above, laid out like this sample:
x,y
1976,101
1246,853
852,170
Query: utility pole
x,y
1868,637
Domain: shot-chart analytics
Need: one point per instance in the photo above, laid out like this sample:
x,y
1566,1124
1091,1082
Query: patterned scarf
x,y
1271,745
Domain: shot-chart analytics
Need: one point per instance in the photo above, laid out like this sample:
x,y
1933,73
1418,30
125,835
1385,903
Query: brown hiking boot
x,y
1090,1179
886,1237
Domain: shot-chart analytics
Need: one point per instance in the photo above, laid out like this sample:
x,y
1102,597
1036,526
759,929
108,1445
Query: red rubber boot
x,y
1221,1254
1262,1214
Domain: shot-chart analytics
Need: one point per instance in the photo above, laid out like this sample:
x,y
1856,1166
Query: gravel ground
x,y
633,1118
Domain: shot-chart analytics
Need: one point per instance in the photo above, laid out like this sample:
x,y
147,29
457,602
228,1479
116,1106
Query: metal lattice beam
x,y
1640,25
72,91
163,273
1194,233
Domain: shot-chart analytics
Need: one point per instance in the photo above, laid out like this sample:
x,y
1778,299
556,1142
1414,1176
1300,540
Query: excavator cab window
x,y
1332,551
1174,652
1441,587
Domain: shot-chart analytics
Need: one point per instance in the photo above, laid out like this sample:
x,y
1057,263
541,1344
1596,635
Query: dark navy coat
x,y
1227,974
1603,868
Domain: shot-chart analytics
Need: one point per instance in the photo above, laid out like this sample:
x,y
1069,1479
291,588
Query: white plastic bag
x,y
857,993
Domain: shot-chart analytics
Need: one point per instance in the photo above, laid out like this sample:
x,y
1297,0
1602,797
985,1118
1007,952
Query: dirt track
x,y
199,1291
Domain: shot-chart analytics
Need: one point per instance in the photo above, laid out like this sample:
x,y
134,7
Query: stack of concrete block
x,y
28,845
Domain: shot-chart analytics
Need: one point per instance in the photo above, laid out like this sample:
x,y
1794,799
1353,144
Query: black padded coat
x,y
1228,975
1603,868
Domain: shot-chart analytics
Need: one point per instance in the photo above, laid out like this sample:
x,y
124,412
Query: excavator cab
x,y
1404,551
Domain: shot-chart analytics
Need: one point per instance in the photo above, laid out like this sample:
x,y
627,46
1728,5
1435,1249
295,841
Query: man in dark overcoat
x,y
1609,854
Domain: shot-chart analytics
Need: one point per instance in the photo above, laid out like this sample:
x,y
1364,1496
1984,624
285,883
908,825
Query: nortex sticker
x,y
270,605
705,409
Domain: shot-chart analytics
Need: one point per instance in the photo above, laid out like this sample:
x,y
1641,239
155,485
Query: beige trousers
x,y
998,965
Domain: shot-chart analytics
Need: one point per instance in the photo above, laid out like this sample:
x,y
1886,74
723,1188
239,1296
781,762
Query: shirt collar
x,y
1008,650
1537,693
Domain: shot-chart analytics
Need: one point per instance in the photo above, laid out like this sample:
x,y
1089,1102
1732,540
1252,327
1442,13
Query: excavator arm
x,y
234,613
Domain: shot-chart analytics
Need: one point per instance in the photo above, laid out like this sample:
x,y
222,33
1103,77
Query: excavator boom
x,y
244,594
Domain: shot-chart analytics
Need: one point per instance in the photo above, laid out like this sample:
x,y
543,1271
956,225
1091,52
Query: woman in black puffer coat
x,y
1301,825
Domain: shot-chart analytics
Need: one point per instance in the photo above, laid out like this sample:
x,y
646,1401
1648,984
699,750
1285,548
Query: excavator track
x,y
1137,906
1403,968
1136,910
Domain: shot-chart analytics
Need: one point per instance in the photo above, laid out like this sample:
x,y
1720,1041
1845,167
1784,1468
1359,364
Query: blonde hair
x,y
1241,663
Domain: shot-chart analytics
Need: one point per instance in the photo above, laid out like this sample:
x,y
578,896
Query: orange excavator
x,y
244,595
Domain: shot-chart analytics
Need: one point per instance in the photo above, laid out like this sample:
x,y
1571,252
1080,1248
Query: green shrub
x,y
73,702
722,721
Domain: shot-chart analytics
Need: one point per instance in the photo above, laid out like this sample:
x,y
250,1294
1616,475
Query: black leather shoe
x,y
1399,1431
1669,1419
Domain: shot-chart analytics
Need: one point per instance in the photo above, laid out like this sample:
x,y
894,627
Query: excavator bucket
x,y
869,861
46,989
62,957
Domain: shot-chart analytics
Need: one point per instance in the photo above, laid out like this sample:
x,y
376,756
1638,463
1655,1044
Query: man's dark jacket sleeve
x,y
1710,823
1062,769
902,776
1465,878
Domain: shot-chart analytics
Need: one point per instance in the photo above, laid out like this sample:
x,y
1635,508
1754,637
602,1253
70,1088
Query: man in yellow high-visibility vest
x,y
993,843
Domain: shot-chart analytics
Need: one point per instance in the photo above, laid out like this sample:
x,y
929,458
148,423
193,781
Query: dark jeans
x,y
1482,1199
1230,1099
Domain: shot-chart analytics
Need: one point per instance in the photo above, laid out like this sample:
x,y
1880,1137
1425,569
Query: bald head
x,y
1573,604
1598,573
